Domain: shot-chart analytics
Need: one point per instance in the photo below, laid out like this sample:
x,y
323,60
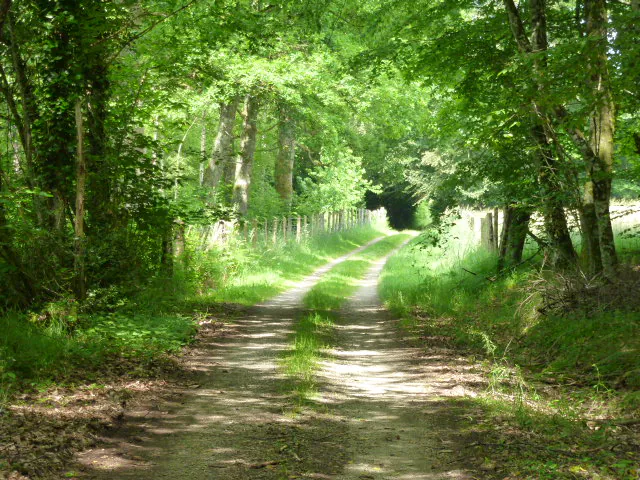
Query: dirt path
x,y
228,421
406,410
385,410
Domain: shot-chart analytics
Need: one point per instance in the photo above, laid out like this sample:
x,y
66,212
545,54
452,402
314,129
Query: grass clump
x,y
312,334
341,281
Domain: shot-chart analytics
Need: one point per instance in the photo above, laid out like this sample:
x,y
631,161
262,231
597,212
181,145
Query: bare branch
x,y
143,32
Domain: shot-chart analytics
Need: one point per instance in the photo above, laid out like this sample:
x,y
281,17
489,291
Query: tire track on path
x,y
407,410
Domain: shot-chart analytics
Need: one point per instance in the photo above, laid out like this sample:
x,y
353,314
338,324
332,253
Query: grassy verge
x,y
66,371
562,389
58,345
243,275
314,331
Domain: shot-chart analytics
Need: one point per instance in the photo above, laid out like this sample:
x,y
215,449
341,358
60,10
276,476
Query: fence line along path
x,y
271,231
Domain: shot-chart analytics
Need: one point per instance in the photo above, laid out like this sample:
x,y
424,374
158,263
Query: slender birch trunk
x,y
563,253
221,159
244,164
203,148
81,179
602,128
286,156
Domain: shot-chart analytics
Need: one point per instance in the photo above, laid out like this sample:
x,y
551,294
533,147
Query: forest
x,y
171,168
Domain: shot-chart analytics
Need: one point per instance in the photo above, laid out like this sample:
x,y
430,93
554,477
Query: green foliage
x,y
338,184
33,353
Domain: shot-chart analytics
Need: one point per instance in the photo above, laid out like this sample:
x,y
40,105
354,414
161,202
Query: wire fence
x,y
485,226
278,230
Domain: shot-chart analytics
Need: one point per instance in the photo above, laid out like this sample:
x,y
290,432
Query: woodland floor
x,y
387,405
383,410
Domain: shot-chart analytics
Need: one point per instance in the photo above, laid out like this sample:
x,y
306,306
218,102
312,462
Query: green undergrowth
x,y
314,332
246,275
34,354
116,334
557,384
340,282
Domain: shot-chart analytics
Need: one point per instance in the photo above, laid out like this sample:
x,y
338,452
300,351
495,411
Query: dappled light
x,y
230,424
197,200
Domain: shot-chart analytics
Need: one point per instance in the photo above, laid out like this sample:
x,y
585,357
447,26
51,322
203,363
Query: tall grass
x,y
457,293
241,274
449,293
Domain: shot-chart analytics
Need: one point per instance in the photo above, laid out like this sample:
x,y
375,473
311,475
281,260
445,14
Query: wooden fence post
x,y
304,226
254,233
298,229
496,230
275,230
178,238
486,231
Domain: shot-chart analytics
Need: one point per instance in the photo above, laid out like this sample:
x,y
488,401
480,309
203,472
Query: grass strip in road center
x,y
314,331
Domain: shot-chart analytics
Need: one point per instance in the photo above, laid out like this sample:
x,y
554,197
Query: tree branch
x,y
149,29
517,27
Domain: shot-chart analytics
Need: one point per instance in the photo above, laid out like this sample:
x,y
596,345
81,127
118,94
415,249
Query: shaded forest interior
x,y
161,160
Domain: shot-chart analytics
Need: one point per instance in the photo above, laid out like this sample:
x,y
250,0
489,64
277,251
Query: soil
x,y
384,410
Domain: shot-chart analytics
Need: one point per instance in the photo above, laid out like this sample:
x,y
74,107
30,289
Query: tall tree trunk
x,y
514,233
244,165
27,97
222,158
81,179
590,255
286,155
166,254
563,253
98,162
203,148
602,127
